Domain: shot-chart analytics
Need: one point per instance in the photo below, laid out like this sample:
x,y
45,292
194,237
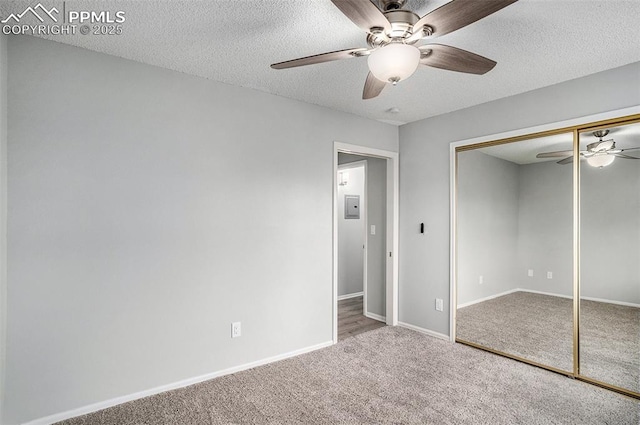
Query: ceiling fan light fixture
x,y
601,160
394,62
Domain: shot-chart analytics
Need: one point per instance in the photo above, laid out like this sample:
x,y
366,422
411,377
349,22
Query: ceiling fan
x,y
598,154
392,35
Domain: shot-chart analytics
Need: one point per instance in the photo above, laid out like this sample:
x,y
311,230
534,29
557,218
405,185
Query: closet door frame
x,y
574,126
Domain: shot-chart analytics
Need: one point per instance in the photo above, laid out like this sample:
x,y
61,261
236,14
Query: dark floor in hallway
x,y
351,321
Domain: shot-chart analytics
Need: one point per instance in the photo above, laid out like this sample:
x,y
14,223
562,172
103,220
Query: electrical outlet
x,y
481,280
373,229
530,272
236,329
549,275
439,304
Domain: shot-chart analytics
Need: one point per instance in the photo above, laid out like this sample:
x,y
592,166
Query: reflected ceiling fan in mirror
x,y
598,154
392,35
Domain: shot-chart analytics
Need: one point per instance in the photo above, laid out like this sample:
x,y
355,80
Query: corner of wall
x,y
3,218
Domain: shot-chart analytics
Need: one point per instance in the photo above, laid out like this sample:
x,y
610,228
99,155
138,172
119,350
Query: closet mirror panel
x,y
514,249
610,255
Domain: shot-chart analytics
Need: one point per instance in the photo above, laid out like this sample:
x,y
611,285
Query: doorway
x,y
361,244
365,240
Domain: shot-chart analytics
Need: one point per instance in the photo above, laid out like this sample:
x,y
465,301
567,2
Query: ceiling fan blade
x,y
322,57
363,13
568,160
629,149
591,147
554,154
621,155
600,145
459,13
454,59
372,87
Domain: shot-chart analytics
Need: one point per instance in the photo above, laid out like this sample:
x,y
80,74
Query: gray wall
x,y
150,209
3,216
376,258
351,236
424,174
545,228
377,215
512,218
610,231
487,225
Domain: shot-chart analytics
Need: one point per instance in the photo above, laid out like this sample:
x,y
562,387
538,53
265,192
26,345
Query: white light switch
x,y
530,273
439,304
549,275
373,229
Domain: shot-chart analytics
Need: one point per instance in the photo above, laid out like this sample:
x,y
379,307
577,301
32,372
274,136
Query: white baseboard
x,y
600,300
603,300
490,297
347,296
551,294
424,331
173,386
376,317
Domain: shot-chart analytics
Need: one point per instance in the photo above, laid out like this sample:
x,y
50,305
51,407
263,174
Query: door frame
x,y
392,227
364,212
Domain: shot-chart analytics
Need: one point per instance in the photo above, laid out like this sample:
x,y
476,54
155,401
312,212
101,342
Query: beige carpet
x,y
540,328
387,376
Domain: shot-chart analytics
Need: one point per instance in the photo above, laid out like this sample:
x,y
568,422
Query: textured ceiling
x,y
535,42
525,152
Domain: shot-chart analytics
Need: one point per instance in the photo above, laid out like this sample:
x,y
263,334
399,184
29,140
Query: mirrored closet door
x,y
610,255
534,229
514,228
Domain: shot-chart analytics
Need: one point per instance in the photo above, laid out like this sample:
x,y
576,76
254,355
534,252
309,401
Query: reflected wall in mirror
x,y
514,241
610,255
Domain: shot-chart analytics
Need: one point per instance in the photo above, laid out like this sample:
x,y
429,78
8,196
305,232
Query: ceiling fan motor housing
x,y
388,5
402,22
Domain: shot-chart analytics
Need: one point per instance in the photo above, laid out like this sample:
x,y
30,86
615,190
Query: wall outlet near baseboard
x,y
481,280
236,329
439,304
549,275
530,272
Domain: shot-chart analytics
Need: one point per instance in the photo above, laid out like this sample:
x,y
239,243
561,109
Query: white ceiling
x,y
524,152
535,42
